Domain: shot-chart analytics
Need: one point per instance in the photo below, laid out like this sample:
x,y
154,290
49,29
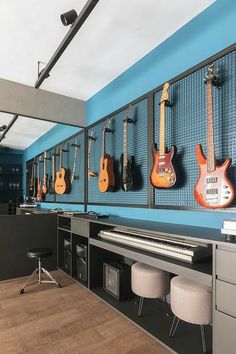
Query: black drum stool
x,y
39,253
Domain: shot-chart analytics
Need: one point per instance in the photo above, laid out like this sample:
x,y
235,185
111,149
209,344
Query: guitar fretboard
x,y
210,130
162,129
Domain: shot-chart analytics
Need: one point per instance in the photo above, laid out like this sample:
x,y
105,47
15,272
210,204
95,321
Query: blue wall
x,y
207,34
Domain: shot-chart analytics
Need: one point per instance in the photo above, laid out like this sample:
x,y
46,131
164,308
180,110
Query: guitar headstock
x,y
107,128
128,115
165,94
211,73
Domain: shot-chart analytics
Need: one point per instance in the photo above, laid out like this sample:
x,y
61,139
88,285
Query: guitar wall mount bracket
x,y
75,145
168,104
91,138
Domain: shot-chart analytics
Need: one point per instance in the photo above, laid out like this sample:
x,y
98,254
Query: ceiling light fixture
x,y
69,17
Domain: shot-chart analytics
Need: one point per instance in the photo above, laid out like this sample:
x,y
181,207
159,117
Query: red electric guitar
x,y
213,188
163,174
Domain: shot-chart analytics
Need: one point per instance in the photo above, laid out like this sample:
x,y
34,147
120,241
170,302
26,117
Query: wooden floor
x,y
69,320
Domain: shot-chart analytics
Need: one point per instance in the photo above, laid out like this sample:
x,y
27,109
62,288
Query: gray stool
x,y
148,282
38,254
192,303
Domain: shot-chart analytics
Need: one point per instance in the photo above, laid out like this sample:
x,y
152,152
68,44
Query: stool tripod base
x,y
38,272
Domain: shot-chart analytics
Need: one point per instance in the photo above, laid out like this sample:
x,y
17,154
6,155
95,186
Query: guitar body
x,y
32,189
51,185
39,196
45,183
213,189
163,174
127,174
62,183
106,181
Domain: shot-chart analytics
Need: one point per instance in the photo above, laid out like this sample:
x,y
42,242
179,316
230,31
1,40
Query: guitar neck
x,y
103,144
44,167
211,165
125,145
162,148
53,166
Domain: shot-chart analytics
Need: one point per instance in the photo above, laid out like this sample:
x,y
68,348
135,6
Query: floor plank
x,y
70,320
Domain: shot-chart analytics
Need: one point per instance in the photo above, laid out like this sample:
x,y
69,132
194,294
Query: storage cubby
x,y
64,258
80,258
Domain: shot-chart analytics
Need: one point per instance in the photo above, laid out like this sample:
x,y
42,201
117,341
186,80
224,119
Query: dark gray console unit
x,y
219,271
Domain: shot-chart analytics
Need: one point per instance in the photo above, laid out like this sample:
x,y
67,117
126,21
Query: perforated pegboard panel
x,y
137,146
77,186
186,127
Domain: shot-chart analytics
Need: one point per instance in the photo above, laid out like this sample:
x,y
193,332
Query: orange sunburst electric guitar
x,y
163,174
213,188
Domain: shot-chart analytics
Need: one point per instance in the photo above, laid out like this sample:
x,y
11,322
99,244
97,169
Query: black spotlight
x,y
69,17
2,128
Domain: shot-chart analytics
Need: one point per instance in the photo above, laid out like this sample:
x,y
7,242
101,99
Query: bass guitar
x,y
127,164
45,176
52,177
62,182
39,196
106,180
213,188
163,174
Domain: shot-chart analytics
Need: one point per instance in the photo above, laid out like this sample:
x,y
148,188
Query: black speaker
x,y
117,280
81,264
67,256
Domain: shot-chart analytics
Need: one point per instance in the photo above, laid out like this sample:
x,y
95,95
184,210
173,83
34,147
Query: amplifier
x,y
117,280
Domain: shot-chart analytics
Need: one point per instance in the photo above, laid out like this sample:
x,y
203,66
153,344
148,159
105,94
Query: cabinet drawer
x,y
226,297
224,334
80,227
226,265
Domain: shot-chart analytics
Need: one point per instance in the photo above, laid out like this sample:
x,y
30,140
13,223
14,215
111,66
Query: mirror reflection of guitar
x,y
45,175
33,183
163,174
39,196
127,165
52,177
213,188
62,183
106,180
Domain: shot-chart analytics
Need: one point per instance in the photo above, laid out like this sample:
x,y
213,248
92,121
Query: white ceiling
x,y
116,35
24,132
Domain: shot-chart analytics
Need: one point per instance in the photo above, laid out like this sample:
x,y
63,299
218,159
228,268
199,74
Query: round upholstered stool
x,y
190,302
39,254
149,282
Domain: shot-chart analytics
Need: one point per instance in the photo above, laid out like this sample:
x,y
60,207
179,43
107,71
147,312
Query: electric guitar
x,y
33,185
106,180
45,176
91,173
213,188
52,177
39,196
73,176
163,174
127,165
62,183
